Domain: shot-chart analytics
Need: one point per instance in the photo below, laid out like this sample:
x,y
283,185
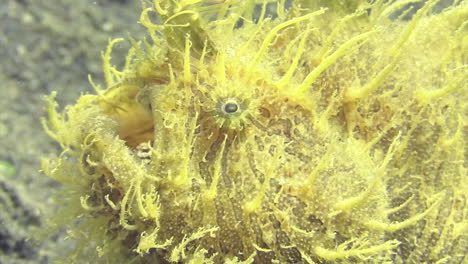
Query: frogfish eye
x,y
232,112
231,107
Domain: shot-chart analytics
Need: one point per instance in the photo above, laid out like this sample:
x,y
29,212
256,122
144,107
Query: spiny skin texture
x,y
322,135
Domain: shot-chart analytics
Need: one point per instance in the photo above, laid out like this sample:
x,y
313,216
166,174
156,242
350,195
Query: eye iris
x,y
231,107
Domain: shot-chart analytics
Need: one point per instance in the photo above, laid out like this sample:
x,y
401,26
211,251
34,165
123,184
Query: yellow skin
x,y
324,135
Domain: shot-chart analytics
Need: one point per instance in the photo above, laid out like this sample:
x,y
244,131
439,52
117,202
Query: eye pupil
x,y
231,107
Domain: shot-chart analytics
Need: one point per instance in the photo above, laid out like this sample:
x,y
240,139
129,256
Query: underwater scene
x,y
234,131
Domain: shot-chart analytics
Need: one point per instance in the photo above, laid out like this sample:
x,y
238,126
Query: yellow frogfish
x,y
273,132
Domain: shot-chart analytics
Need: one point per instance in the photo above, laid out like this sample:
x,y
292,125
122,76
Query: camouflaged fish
x,y
273,132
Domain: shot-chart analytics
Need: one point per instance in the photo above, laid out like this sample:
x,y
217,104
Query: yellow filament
x,y
394,7
123,221
392,227
187,73
293,67
212,192
329,60
401,206
158,8
221,69
203,55
395,51
179,14
107,67
326,46
274,32
253,205
343,253
353,94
